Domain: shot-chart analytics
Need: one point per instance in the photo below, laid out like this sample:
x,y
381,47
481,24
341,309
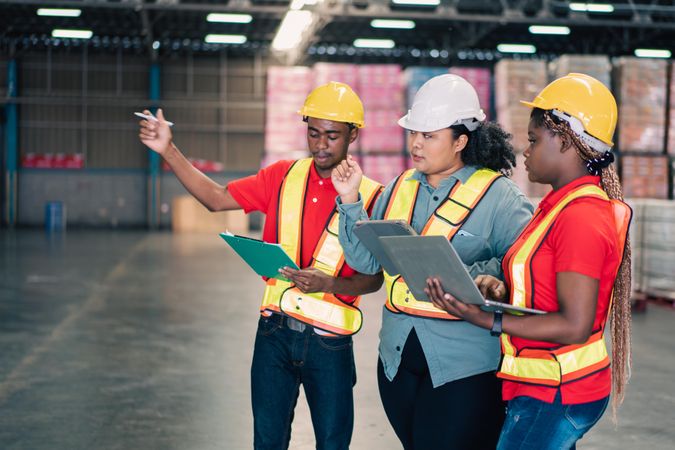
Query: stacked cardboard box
x,y
645,176
480,79
381,90
642,104
287,88
597,66
516,81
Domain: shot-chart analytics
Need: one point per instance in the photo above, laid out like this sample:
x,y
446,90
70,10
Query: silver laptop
x,y
420,257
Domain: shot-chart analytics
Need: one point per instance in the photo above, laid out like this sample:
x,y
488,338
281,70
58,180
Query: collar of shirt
x,y
462,175
553,197
315,178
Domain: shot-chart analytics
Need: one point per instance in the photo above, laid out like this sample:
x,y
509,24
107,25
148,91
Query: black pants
x,y
465,414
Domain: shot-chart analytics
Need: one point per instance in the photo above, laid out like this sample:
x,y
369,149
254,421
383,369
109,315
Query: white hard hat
x,y
443,101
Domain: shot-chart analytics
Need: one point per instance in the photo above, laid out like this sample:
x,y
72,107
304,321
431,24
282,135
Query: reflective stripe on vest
x,y
566,363
321,310
445,221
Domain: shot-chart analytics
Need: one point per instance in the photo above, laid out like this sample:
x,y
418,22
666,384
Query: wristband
x,y
496,329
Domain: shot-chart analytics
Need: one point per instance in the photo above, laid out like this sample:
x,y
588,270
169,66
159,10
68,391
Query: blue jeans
x,y
283,359
532,424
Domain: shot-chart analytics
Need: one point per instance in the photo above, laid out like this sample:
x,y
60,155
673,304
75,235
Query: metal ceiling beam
x,y
244,6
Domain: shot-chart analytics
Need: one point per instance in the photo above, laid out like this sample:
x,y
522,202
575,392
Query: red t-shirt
x,y
583,239
260,192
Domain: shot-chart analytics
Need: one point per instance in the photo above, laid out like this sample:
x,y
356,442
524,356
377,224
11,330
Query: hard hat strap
x,y
576,126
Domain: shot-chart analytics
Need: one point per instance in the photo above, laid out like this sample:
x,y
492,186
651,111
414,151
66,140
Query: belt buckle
x,y
295,325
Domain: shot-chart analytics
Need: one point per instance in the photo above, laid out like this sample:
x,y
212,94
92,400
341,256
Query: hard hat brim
x,y
529,104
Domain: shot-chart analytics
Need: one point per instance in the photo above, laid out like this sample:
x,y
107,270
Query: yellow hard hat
x,y
334,101
585,98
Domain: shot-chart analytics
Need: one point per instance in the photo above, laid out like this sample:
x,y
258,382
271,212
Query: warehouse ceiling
x,y
452,30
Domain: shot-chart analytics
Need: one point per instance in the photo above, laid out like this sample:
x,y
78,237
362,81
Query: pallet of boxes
x,y
643,108
190,216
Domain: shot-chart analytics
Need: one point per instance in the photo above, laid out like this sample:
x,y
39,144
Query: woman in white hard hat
x,y
573,261
436,374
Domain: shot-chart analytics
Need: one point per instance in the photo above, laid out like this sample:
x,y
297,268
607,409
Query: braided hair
x,y
599,164
488,146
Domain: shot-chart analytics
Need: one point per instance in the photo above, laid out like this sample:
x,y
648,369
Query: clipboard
x,y
369,233
263,257
420,257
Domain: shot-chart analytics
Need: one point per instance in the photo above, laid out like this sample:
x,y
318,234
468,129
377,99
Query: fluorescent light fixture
x,y
374,43
516,48
290,31
417,2
73,34
652,53
548,29
229,18
592,7
58,12
298,4
225,39
397,24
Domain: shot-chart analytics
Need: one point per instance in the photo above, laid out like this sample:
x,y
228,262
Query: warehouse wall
x,y
75,102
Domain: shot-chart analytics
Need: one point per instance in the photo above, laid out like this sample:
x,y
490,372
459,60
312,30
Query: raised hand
x,y
346,178
155,135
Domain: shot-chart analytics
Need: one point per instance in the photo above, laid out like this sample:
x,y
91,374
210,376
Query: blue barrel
x,y
55,216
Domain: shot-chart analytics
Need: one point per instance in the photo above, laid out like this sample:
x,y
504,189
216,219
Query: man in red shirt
x,y
304,332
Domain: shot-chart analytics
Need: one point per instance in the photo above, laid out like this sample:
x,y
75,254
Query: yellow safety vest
x,y
564,363
445,221
321,310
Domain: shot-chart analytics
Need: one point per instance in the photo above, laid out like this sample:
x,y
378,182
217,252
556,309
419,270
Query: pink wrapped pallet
x,y
380,75
382,168
344,73
289,79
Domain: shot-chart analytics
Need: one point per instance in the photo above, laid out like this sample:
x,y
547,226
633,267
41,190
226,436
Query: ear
x,y
353,134
460,143
565,143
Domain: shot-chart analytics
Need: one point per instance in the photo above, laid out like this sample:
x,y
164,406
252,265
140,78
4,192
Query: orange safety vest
x,y
320,309
565,363
445,221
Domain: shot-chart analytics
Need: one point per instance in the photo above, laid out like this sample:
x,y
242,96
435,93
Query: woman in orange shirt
x,y
573,261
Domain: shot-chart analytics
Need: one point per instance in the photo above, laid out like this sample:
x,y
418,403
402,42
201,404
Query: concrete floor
x,y
132,340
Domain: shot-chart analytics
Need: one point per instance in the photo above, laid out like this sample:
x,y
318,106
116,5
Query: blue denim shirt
x,y
453,349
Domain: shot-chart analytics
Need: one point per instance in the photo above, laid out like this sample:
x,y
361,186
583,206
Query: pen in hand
x,y
153,118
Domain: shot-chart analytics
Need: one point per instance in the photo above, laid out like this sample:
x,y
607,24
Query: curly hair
x,y
621,306
488,146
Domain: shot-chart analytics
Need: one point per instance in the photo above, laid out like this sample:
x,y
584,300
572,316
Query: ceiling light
x,y
417,2
73,34
547,29
291,29
652,53
229,18
298,4
592,7
516,48
225,39
374,43
397,24
57,12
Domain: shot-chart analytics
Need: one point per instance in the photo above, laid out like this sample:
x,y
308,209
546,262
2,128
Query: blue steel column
x,y
154,158
11,145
